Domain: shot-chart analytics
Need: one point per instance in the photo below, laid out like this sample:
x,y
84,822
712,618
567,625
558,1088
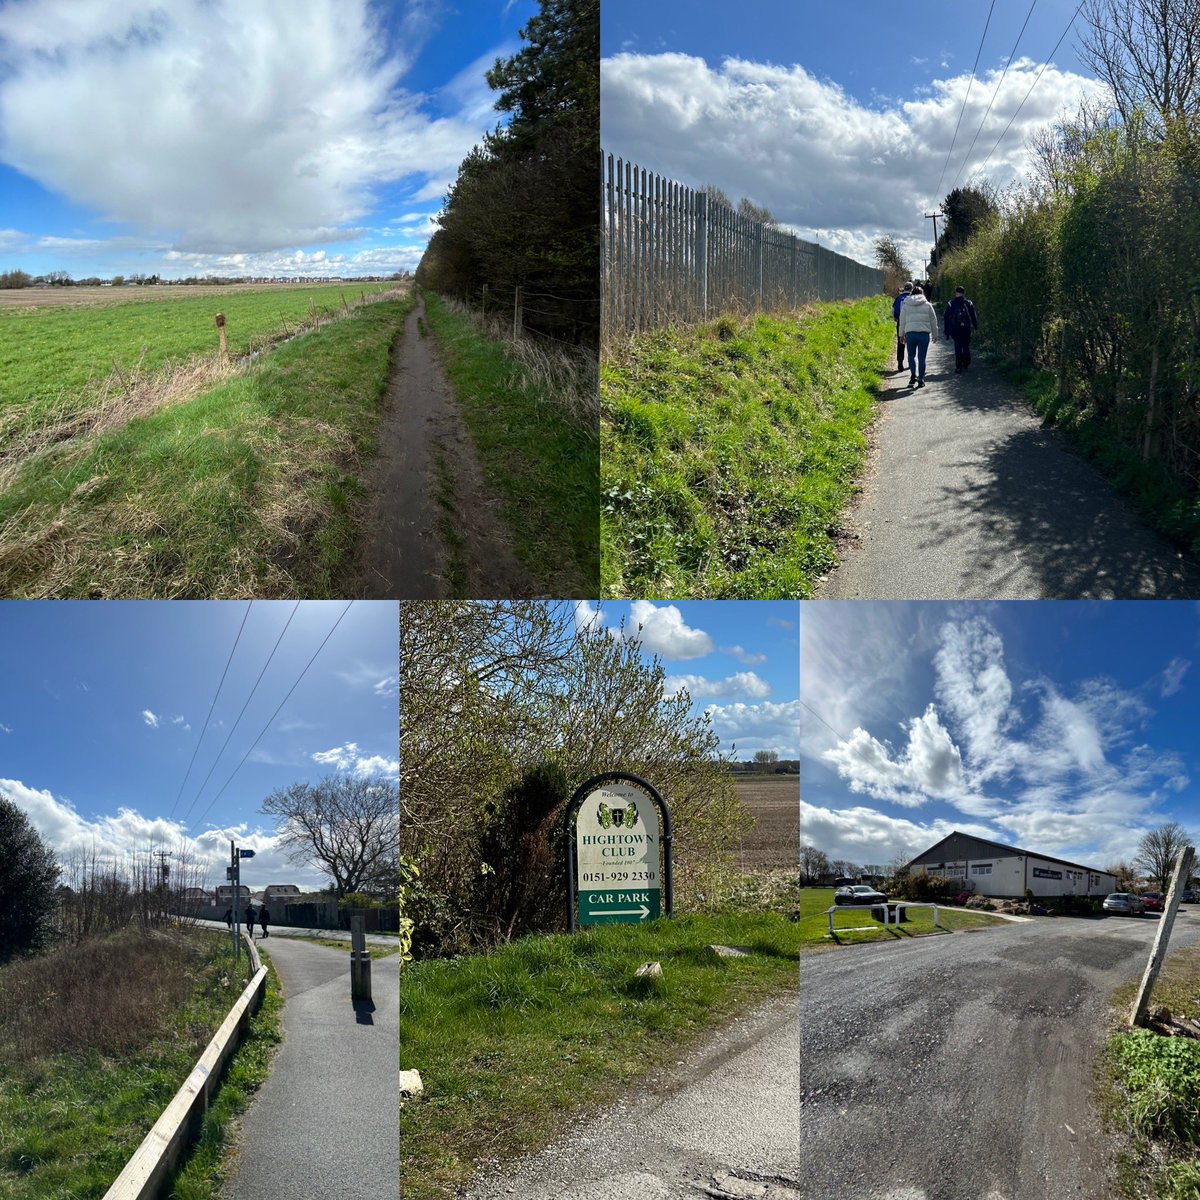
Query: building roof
x,y
958,844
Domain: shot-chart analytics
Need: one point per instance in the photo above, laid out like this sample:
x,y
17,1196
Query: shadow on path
x,y
325,1123
970,498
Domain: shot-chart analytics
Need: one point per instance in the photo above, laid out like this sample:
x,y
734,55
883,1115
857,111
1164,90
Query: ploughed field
x,y
59,345
774,803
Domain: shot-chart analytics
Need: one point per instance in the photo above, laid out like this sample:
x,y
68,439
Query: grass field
x,y
853,925
774,840
54,357
248,489
534,427
729,451
94,1042
510,1044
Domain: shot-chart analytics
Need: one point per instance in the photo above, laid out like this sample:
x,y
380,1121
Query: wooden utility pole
x,y
221,332
1183,869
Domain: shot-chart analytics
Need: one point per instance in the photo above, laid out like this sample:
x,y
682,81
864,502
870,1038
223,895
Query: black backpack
x,y
960,318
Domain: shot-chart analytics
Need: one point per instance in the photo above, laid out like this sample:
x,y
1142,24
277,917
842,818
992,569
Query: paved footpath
x,y
968,497
325,1123
723,1123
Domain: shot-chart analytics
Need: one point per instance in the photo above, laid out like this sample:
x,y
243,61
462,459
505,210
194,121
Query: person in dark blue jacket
x,y
899,300
958,322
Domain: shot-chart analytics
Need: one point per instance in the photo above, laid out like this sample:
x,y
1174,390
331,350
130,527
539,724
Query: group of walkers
x,y
917,323
262,915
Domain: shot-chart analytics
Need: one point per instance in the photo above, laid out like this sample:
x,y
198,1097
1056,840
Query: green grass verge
x,y
49,354
510,1044
729,451
206,1167
1149,1091
69,1122
377,951
541,464
853,925
248,490
1164,503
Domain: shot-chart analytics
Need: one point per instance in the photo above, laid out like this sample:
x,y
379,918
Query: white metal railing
x,y
898,905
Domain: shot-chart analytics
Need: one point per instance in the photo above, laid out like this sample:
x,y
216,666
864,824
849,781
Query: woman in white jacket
x,y
918,323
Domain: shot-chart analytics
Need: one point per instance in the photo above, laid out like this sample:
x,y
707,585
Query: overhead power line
x,y
204,727
1034,83
262,732
995,93
938,189
200,790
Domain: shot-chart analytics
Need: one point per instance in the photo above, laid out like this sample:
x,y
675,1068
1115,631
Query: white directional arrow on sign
x,y
642,912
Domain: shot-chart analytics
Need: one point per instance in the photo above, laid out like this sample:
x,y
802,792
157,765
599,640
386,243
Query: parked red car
x,y
1152,901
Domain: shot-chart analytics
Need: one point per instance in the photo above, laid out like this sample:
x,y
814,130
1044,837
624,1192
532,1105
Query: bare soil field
x,y
774,802
76,296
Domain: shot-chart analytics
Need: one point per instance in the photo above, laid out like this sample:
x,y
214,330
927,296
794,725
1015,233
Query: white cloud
x,y
225,127
181,721
5,728
809,151
1172,676
743,683
589,618
745,657
112,839
765,726
150,718
350,758
663,631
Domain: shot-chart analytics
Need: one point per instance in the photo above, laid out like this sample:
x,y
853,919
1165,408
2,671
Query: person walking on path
x,y
229,917
918,323
250,919
896,304
264,917
958,322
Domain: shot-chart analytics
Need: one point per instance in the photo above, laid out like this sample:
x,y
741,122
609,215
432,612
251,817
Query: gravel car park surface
x,y
969,1075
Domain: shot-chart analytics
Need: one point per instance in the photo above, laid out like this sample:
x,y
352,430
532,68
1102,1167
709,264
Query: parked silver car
x,y
1124,902
858,893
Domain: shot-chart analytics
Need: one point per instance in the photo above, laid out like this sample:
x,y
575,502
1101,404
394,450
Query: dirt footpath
x,y
433,527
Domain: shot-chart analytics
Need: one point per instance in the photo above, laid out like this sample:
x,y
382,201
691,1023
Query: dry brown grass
x,y
568,374
13,298
112,995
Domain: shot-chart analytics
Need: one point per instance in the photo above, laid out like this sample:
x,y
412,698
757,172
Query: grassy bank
x,y
854,924
1164,503
534,431
509,1044
1150,1091
247,489
94,1042
728,451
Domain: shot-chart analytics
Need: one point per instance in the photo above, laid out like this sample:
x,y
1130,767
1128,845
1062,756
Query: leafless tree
x,y
347,825
1148,53
1159,848
813,863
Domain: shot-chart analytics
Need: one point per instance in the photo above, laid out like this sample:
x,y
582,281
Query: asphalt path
x,y
324,1124
968,497
287,931
960,1066
722,1123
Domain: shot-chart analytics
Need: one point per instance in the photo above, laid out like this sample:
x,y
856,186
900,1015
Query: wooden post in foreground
x,y
221,332
1183,868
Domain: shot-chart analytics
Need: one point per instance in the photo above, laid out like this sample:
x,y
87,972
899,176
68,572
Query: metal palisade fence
x,y
671,253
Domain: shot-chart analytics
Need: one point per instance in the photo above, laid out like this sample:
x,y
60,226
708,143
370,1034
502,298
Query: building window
x,y
982,869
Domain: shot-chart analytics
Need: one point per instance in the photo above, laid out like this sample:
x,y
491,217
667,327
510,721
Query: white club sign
x,y
617,853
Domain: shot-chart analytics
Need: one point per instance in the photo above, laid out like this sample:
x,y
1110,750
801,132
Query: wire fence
x,y
670,252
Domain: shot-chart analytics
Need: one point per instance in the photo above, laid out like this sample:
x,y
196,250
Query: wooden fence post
x,y
221,334
517,313
1179,878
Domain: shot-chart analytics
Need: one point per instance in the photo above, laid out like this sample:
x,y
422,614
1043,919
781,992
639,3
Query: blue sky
x,y
1062,727
839,120
102,706
197,136
738,660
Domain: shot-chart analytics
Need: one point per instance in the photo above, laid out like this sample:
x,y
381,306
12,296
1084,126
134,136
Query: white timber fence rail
x,y
672,253
160,1151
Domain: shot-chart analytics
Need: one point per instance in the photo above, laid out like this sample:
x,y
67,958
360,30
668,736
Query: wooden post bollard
x,y
360,959
517,314
221,332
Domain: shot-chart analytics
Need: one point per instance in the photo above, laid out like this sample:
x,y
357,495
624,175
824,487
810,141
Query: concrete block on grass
x,y
411,1087
650,970
729,951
